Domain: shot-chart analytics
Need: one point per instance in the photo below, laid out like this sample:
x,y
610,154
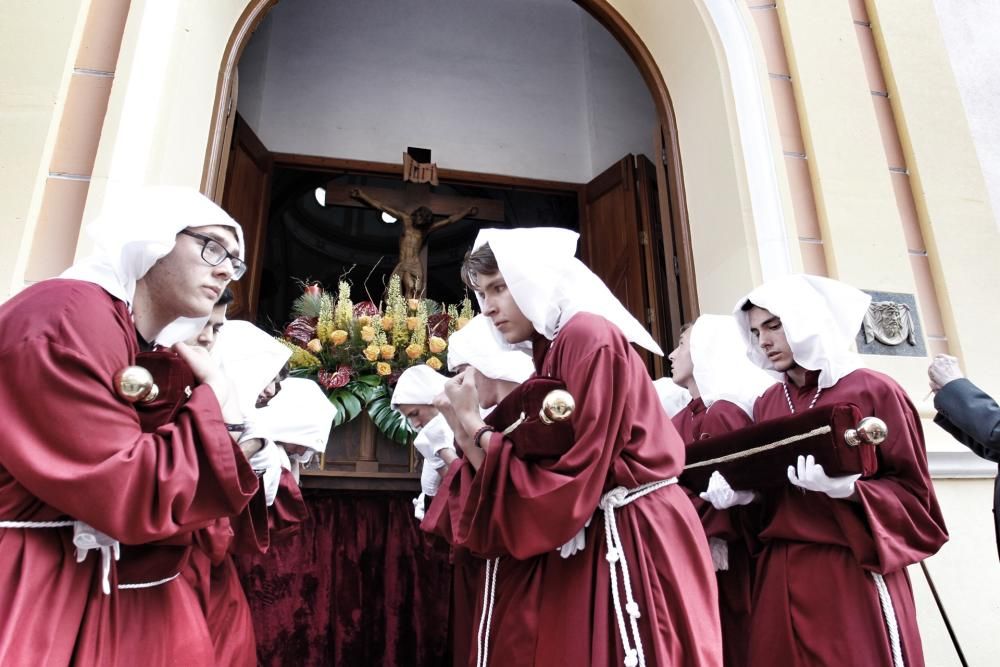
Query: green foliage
x,y
368,392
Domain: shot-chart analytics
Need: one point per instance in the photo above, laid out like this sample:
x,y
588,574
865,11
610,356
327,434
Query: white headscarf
x,y
300,414
721,368
820,318
250,358
418,385
550,285
475,345
135,230
673,397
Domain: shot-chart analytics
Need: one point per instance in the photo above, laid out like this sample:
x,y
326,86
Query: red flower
x,y
301,330
365,308
313,290
437,325
334,380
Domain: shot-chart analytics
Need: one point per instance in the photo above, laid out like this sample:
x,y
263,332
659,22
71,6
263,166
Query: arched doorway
x,y
673,298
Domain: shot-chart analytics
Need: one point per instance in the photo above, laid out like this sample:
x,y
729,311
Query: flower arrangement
x,y
356,351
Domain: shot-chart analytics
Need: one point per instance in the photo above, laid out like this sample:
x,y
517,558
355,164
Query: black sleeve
x,y
971,416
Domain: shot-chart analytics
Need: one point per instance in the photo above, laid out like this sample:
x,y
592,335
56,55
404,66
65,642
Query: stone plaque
x,y
892,326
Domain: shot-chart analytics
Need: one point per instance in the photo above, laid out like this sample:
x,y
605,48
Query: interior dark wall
x,y
309,242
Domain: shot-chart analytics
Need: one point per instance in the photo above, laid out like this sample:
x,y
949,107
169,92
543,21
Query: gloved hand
x,y
810,476
418,506
268,462
720,553
576,543
722,496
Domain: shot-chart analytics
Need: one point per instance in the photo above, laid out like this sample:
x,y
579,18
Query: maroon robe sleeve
x,y
525,508
899,522
73,444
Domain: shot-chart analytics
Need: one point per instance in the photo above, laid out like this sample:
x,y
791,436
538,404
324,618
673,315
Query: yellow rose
x,y
314,346
414,351
412,323
461,322
413,303
434,363
436,344
387,323
338,337
383,368
367,334
364,320
371,352
388,352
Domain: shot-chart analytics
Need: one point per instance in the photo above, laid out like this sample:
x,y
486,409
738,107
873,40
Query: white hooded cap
x,y
820,318
418,385
300,414
475,345
721,368
673,397
550,285
138,227
250,358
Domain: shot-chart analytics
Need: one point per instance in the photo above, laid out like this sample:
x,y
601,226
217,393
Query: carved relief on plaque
x,y
890,323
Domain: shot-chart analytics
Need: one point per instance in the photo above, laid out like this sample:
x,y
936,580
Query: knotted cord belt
x,y
619,497
85,538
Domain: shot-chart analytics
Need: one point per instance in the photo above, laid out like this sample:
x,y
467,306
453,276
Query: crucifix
x,y
415,208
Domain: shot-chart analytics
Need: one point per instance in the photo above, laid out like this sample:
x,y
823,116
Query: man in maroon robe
x,y
831,580
641,589
709,362
74,459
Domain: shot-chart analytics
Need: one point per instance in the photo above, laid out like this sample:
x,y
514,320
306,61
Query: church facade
x,y
848,138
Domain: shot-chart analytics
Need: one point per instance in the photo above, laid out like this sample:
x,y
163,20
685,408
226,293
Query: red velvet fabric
x,y
359,584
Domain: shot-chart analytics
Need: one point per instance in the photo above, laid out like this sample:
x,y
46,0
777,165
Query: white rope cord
x,y
619,497
35,524
510,429
889,613
148,584
763,448
108,553
489,594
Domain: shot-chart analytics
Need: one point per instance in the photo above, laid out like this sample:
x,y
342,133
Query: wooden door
x,y
246,197
617,213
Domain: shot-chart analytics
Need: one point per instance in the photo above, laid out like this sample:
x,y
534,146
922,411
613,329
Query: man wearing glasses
x,y
78,471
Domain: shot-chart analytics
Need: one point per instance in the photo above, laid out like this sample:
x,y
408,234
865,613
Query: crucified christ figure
x,y
417,225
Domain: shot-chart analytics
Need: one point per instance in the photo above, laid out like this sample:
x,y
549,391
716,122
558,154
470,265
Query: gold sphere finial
x,y
870,431
135,384
557,406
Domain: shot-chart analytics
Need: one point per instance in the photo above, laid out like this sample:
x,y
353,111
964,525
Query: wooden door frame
x,y
671,190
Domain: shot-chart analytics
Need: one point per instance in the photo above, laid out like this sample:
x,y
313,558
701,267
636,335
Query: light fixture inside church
x,y
387,218
321,196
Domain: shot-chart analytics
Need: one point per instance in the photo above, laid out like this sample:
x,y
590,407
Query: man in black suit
x,y
969,414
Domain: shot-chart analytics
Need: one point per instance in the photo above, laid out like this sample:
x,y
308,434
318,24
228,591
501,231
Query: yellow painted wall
x,y
39,41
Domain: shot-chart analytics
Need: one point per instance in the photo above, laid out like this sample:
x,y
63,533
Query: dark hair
x,y
283,373
479,262
226,298
747,305
686,326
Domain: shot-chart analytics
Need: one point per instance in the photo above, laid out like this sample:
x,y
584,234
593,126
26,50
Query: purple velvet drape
x,y
360,584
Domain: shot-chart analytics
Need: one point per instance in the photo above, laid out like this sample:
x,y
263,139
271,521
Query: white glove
x,y
576,543
268,462
418,507
720,553
430,479
722,496
810,476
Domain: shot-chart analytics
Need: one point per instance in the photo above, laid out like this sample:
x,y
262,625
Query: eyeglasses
x,y
214,253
